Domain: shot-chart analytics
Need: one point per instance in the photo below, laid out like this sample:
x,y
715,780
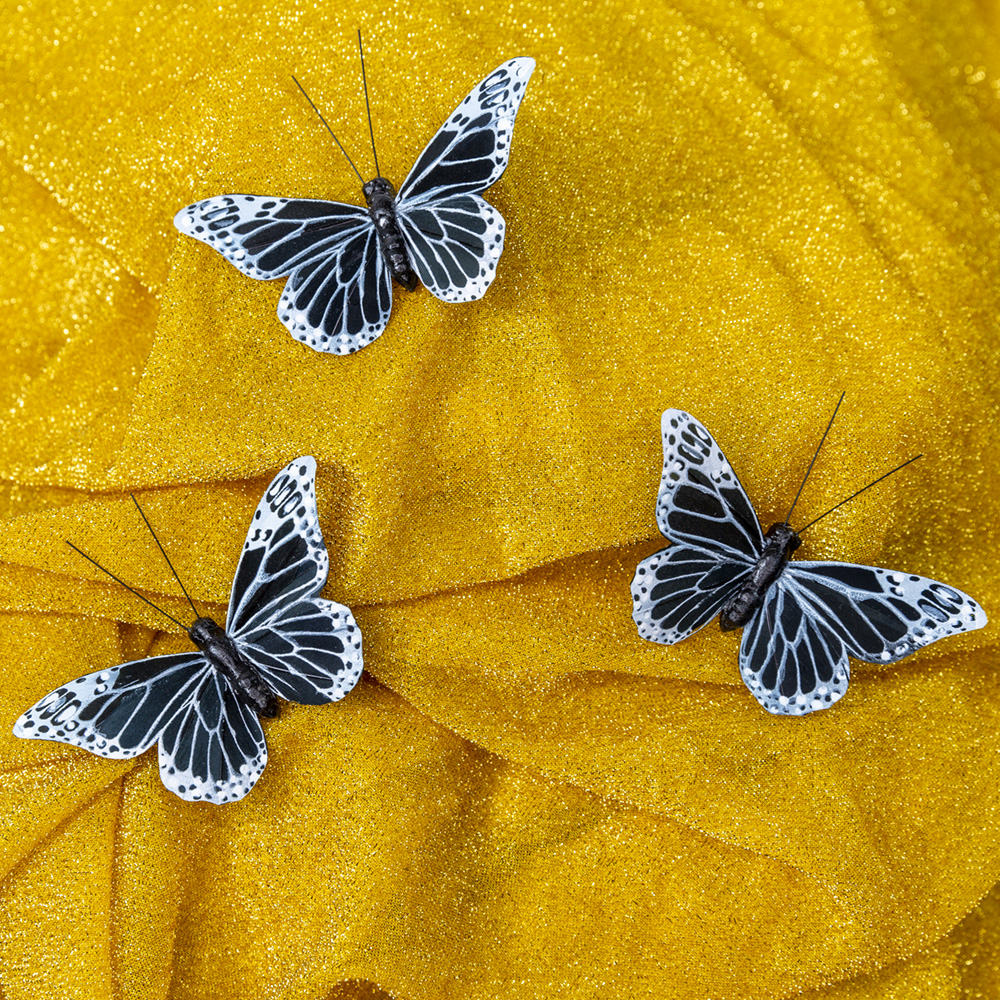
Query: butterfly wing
x,y
211,745
117,713
284,557
212,749
680,589
306,648
790,659
453,237
269,238
341,303
881,615
469,153
701,501
454,244
704,510
339,291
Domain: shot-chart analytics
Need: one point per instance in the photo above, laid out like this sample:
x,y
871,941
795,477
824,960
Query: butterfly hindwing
x,y
342,302
309,653
469,152
454,245
284,558
339,292
680,589
701,502
120,712
792,662
213,748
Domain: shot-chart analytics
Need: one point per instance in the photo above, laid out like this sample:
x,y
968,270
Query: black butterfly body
x,y
280,640
779,543
801,619
340,259
224,655
381,198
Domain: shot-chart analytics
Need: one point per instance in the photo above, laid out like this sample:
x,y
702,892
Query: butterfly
x,y
800,619
203,708
340,259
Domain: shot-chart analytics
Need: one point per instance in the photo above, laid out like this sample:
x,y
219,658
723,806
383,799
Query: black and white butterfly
x,y
801,619
340,259
280,640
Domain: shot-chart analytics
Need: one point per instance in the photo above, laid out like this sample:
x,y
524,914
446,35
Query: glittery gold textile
x,y
738,209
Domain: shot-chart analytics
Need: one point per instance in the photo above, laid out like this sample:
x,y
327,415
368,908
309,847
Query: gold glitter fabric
x,y
738,209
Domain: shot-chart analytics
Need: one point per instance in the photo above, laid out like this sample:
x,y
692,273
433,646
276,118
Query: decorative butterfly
x,y
800,619
280,639
340,259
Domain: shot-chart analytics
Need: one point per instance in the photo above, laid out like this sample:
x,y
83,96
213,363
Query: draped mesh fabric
x,y
738,210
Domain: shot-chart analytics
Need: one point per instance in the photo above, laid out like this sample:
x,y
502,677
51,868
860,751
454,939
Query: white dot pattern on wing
x,y
317,337
686,443
193,788
228,211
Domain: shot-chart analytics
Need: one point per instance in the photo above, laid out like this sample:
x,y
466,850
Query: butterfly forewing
x,y
119,712
284,557
790,660
881,615
272,237
212,749
701,501
469,153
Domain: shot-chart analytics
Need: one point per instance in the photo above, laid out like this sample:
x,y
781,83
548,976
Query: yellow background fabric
x,y
739,209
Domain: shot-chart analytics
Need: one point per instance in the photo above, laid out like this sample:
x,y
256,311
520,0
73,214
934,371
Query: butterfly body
x,y
340,260
779,543
801,619
222,653
381,198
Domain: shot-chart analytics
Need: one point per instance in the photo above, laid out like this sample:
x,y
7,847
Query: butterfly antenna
x,y
813,462
330,130
165,556
364,81
853,495
125,585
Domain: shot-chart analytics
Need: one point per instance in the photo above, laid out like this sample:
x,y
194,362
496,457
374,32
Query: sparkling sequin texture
x,y
734,209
